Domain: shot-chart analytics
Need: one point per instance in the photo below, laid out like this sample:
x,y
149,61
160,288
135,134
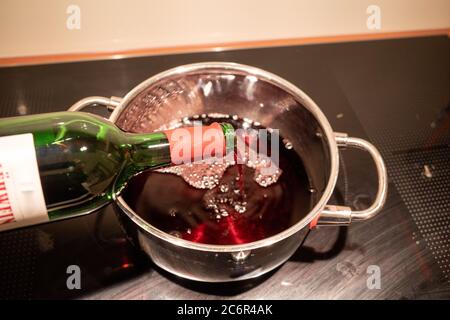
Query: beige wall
x,y
38,27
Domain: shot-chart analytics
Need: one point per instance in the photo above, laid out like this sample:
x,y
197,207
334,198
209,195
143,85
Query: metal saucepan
x,y
248,92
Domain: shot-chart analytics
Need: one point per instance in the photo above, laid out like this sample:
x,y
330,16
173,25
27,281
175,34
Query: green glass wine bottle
x,y
64,164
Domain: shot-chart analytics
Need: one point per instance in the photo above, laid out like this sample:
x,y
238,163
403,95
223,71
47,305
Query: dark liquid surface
x,y
237,210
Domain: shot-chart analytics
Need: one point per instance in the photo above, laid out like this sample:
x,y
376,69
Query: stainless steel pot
x,y
248,92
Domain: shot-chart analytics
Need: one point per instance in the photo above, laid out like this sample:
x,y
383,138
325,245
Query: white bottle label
x,y
22,201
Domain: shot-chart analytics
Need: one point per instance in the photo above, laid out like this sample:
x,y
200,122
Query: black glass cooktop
x,y
395,93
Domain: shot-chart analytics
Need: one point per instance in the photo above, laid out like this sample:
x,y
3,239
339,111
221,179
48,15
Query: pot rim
x,y
297,93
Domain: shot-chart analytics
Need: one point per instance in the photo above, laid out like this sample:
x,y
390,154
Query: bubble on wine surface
x,y
201,174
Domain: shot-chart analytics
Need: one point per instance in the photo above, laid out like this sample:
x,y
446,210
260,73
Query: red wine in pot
x,y
238,209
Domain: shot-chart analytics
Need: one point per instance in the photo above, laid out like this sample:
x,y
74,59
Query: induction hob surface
x,y
395,93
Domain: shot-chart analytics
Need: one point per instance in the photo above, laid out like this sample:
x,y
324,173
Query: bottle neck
x,y
148,151
144,151
160,149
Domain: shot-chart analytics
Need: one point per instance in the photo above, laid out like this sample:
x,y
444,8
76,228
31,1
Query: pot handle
x,y
340,215
109,103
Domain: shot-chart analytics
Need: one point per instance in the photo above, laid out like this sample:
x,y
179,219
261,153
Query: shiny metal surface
x,y
381,195
248,92
109,103
333,215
